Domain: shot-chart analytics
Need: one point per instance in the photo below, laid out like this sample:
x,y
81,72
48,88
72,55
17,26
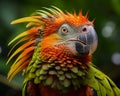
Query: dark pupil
x,y
64,29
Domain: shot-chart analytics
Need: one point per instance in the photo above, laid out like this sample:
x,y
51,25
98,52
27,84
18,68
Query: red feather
x,y
41,90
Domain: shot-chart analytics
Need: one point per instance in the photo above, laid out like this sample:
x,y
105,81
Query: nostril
x,y
84,29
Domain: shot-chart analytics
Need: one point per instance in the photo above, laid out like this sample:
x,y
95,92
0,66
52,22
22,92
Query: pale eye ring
x,y
64,30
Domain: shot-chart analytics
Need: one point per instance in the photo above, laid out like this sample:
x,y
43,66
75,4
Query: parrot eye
x,y
64,30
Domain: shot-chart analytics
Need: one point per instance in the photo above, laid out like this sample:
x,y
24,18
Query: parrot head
x,y
72,36
69,32
60,36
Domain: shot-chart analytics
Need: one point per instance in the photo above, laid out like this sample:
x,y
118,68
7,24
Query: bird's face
x,y
79,40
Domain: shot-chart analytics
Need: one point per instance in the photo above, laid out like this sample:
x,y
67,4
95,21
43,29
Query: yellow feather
x,y
57,9
25,52
20,49
21,40
19,36
19,62
51,10
32,24
28,19
44,12
12,73
16,65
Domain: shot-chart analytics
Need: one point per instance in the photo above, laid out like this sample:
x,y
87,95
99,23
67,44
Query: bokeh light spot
x,y
108,29
116,58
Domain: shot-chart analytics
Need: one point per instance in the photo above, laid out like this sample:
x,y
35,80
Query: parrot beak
x,y
86,41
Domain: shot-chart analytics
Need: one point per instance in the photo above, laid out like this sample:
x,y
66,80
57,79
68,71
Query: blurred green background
x,y
107,24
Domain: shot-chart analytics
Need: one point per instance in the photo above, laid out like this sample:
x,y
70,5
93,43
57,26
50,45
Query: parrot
x,y
55,56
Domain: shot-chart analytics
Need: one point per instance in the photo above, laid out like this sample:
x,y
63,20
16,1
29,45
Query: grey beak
x,y
87,42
